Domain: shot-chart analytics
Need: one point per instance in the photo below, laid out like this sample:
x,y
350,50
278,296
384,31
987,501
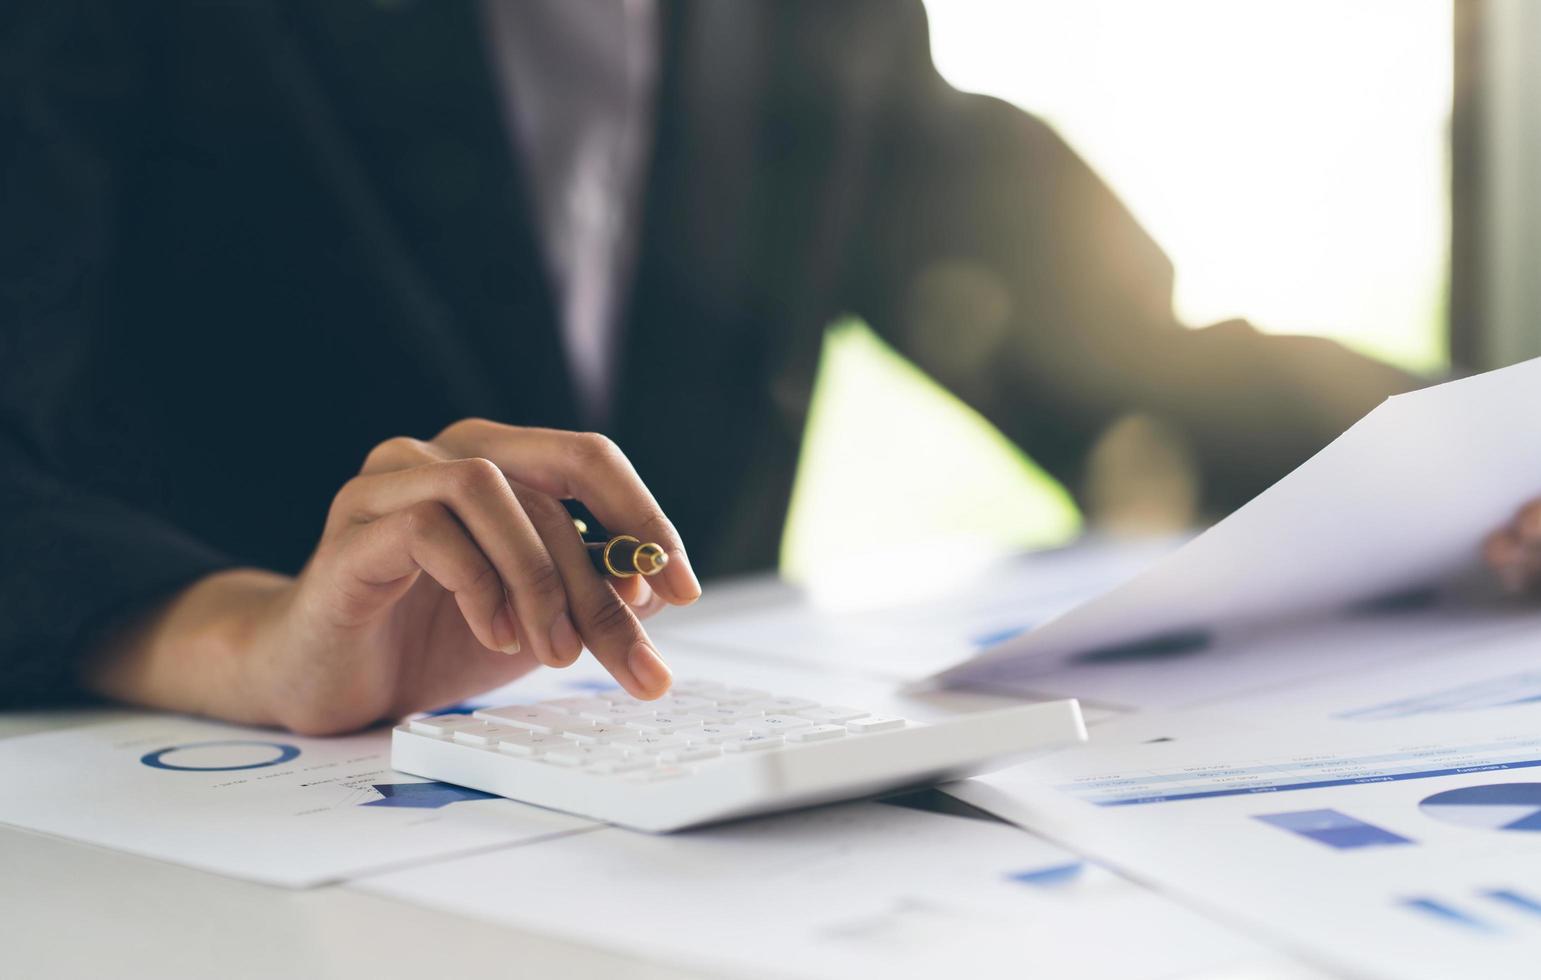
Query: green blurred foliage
x,y
889,451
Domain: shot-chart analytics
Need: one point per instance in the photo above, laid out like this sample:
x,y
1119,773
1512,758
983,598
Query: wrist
x,y
200,651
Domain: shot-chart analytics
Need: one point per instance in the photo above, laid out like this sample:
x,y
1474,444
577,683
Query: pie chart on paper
x,y
1499,806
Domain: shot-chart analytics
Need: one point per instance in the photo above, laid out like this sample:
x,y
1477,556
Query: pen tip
x,y
650,559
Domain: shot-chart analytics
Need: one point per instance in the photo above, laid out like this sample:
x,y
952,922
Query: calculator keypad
x,y
613,734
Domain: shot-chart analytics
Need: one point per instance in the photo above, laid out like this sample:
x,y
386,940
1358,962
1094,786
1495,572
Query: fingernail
x,y
682,577
564,639
649,669
503,632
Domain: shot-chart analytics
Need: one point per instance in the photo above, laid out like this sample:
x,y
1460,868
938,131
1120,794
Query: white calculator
x,y
708,752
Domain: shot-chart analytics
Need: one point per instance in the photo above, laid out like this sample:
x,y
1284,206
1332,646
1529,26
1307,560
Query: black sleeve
x,y
72,561
995,258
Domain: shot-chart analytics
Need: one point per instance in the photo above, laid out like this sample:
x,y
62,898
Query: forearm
x,y
1253,406
193,653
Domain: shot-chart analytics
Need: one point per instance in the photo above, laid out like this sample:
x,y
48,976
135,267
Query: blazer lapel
x,y
415,101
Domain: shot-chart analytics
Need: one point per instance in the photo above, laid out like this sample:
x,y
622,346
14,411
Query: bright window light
x,y
1292,160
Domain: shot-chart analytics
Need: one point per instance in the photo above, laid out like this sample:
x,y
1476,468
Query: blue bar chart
x,y
1334,828
1308,772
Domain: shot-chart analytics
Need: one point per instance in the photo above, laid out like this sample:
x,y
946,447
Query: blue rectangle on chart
x,y
1050,877
1204,794
1332,828
1518,901
1445,912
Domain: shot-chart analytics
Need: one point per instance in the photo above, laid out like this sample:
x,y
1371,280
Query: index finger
x,y
590,467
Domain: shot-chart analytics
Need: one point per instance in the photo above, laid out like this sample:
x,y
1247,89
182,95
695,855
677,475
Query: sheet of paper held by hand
x,y
1399,502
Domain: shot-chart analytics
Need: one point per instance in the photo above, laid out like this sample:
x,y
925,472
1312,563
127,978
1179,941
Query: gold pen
x,y
619,555
624,556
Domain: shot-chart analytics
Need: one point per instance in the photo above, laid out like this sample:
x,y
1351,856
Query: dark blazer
x,y
242,242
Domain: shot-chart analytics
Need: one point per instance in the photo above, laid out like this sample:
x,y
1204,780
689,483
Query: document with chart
x,y
856,890
1399,502
1404,841
252,803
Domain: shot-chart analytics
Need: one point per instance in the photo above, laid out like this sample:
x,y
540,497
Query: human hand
x,y
445,568
1514,550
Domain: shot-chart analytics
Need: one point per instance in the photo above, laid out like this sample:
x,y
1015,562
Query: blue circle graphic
x,y
1495,806
155,759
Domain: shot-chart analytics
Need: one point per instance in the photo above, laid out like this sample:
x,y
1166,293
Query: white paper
x,y
1375,849
1270,663
1401,500
907,638
303,812
1494,670
864,889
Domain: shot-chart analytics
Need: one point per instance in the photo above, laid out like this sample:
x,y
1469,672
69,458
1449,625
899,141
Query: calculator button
x,y
441,725
754,743
690,753
597,734
776,724
740,695
817,733
729,714
529,744
873,723
663,723
576,706
715,734
832,714
782,705
604,718
647,742
729,701
482,735
678,704
532,718
577,755
612,715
